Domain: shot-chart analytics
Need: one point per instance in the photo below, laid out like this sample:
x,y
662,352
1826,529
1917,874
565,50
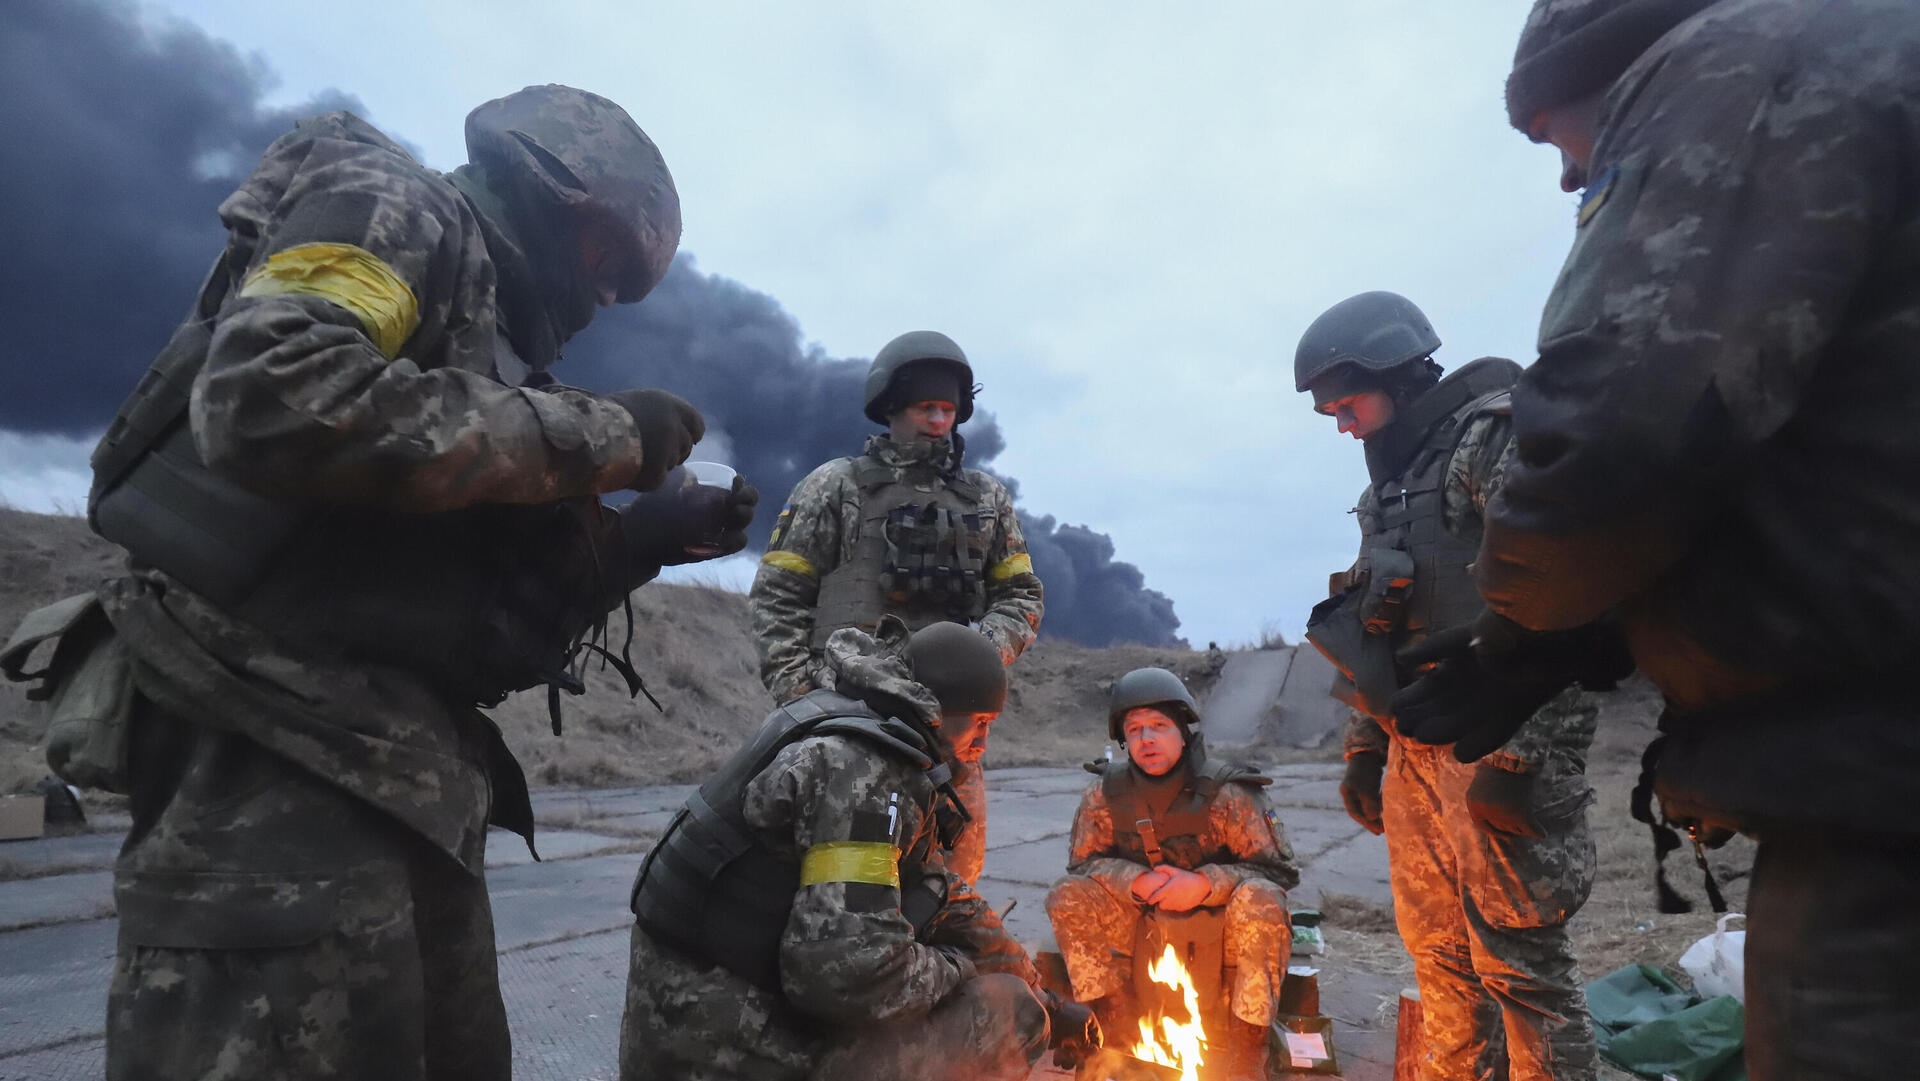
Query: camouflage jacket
x,y
815,533
1473,475
352,366
1239,823
1719,430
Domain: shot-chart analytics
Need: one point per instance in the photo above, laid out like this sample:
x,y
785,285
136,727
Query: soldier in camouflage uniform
x,y
1213,847
1487,863
903,528
798,918
348,527
1717,444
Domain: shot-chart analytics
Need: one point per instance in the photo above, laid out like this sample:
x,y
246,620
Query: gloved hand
x,y
1489,680
1360,790
669,427
681,522
1501,801
1073,1032
1459,702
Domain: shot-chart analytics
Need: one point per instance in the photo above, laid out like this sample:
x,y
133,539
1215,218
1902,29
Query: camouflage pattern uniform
x,y
816,532
1484,913
862,995
253,944
1244,854
1718,439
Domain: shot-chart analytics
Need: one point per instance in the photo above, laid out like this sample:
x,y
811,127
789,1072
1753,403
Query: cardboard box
x,y
22,817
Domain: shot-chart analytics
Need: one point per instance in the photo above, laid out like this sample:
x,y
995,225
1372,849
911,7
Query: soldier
x,y
798,919
1486,863
347,529
904,529
1717,443
1165,829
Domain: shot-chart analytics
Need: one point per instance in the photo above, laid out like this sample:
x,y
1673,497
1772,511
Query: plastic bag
x,y
1717,962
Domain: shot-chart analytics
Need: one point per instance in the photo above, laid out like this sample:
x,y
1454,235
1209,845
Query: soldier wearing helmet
x,y
1165,830
357,508
1486,863
833,940
1716,448
905,529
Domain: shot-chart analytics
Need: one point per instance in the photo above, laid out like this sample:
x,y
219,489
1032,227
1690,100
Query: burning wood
x,y
1180,1044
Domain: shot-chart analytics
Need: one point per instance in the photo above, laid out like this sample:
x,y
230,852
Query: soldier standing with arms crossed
x,y
904,529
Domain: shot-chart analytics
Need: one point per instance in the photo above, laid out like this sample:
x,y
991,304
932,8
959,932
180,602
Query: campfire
x,y
1168,1041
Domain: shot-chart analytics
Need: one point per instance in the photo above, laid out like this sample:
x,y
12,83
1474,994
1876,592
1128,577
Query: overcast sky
x,y
1125,213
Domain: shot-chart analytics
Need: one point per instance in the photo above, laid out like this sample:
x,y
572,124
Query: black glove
x,y
681,522
669,427
1459,702
1360,790
1073,1032
1501,801
1489,680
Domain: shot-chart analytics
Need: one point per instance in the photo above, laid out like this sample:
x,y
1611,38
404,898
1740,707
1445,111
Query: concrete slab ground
x,y
562,925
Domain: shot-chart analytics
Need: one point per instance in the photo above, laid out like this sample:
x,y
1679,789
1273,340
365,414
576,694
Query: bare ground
x,y
691,645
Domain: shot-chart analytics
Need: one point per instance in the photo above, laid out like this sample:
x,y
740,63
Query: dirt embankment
x,y
690,644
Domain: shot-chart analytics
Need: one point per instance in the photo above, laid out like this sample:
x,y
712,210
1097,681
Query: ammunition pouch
x,y
1355,630
88,684
937,554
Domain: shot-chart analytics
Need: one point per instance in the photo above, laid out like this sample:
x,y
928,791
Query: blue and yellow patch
x,y
780,526
1595,195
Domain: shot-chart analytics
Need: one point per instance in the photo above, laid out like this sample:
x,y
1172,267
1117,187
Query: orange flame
x,y
1179,1044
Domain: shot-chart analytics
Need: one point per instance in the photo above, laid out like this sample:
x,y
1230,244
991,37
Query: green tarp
x,y
1646,1023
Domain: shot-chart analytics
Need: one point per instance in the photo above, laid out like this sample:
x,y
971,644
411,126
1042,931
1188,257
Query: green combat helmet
x,y
916,347
960,666
1358,341
583,153
1155,687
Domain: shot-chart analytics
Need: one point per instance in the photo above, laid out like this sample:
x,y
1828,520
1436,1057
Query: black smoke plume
x,y
122,139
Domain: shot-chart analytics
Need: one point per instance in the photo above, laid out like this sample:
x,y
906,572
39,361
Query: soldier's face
x,y
1572,128
1153,740
1361,414
922,421
603,262
968,731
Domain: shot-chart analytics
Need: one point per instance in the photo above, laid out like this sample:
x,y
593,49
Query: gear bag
x,y
88,685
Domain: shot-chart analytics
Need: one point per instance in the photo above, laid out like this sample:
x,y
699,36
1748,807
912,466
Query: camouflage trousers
x,y
1484,916
1095,930
273,927
687,1020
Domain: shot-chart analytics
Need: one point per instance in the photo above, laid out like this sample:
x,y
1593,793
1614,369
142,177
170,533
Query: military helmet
x,y
1355,343
916,347
1155,687
961,666
583,152
1571,49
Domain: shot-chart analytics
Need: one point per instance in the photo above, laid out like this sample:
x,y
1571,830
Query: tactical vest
x,y
1174,836
711,888
920,554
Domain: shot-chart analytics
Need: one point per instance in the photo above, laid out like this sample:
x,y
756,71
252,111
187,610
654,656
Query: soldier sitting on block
x,y
1171,848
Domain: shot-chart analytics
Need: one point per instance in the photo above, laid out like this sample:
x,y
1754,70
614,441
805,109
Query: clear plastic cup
x,y
716,480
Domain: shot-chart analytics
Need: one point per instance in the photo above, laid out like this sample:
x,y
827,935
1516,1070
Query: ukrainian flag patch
x,y
1596,194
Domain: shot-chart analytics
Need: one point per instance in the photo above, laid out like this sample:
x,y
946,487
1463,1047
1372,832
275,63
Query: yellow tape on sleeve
x,y
1010,566
876,863
352,277
791,562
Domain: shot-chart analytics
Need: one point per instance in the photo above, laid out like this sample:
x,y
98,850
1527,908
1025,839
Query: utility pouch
x,y
88,682
1383,607
1365,660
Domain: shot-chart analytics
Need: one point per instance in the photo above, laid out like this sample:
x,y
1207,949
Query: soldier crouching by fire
x,y
798,919
1164,831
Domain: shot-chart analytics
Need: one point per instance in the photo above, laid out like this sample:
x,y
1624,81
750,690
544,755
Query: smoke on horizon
x,y
124,138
